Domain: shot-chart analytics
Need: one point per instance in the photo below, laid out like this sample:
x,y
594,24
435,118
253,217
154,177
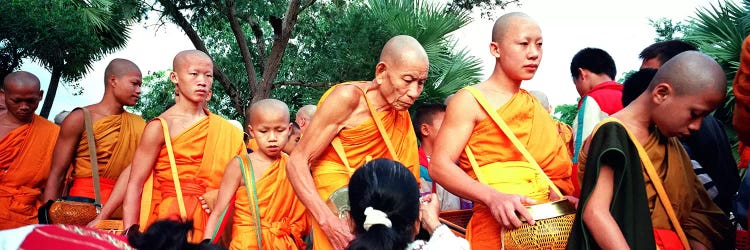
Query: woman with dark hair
x,y
386,210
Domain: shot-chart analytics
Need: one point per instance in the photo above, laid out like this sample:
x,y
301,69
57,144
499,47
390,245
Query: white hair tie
x,y
375,217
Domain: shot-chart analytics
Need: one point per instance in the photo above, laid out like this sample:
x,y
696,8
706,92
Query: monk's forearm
x,y
213,219
132,205
118,195
304,187
604,229
52,190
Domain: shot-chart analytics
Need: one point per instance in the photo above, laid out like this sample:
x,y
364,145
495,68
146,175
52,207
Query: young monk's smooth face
x,y
193,78
680,115
293,140
519,52
271,129
127,86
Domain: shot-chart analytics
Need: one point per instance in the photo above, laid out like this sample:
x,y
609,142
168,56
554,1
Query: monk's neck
x,y
637,119
8,123
108,106
427,146
189,108
501,82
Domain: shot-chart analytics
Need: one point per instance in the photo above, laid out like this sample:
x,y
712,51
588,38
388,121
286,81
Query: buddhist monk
x,y
517,48
304,116
116,134
347,121
26,144
621,207
282,216
203,143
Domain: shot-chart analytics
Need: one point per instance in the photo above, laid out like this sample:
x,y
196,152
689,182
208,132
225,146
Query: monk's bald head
x,y
188,56
503,24
21,79
268,109
691,72
403,48
119,67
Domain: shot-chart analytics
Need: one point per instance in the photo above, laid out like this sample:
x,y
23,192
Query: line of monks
x,y
191,164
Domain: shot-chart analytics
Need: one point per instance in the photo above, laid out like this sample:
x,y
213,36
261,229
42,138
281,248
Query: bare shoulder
x,y
464,105
346,94
73,120
153,133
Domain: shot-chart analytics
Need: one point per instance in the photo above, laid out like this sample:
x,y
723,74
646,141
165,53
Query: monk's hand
x,y
338,231
505,206
573,200
94,222
204,205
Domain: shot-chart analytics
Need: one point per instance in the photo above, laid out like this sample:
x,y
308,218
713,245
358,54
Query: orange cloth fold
x,y
533,126
361,143
201,153
25,159
283,216
741,88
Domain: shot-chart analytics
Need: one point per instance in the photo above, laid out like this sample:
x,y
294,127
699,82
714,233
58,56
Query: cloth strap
x,y
252,196
92,156
173,166
656,180
511,136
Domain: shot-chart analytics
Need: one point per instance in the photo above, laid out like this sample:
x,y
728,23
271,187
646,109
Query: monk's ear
x,y
250,129
41,94
380,70
661,92
495,49
424,130
173,77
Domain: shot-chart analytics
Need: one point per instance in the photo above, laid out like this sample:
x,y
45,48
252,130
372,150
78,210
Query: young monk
x,y
282,216
26,144
345,117
203,144
116,134
620,207
517,47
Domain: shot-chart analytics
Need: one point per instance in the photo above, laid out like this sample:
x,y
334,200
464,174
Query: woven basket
x,y
553,222
72,212
456,220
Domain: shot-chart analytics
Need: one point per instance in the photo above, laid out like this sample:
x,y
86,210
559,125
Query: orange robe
x,y
361,143
281,213
741,90
252,144
25,159
116,137
536,129
201,153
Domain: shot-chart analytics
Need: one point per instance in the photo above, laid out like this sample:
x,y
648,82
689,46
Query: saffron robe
x,y
360,144
201,153
116,138
25,159
741,88
538,132
700,218
283,216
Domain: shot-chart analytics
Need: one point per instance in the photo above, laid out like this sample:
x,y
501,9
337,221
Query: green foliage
x,y
157,92
488,7
626,75
566,113
666,29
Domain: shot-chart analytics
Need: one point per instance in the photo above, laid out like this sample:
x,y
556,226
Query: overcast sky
x,y
619,27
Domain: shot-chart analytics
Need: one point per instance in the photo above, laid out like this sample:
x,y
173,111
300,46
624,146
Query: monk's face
x,y
519,52
127,87
21,101
402,80
292,142
271,131
680,115
193,78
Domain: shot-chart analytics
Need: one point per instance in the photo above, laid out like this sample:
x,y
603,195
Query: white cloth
x,y
592,115
441,238
12,238
375,217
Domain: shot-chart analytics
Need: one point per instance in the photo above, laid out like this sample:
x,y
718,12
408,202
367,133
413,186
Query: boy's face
x,y
680,115
430,130
194,78
271,132
293,139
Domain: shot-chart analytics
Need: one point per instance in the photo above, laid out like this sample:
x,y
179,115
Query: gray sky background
x,y
619,27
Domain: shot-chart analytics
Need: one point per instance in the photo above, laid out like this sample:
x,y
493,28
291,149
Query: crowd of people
x,y
645,164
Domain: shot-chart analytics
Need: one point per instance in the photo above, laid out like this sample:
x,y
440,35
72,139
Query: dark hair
x,y
388,186
665,50
426,114
595,60
636,84
168,235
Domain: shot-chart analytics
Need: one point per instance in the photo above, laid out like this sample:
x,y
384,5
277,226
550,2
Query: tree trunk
x,y
54,81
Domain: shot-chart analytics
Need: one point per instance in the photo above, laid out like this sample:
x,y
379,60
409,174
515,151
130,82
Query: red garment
x,y
423,158
667,239
608,95
744,152
72,237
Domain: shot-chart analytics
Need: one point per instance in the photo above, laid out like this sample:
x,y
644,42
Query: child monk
x,y
620,206
259,183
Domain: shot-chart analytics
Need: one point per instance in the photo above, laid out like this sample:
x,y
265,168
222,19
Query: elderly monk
x,y
116,135
203,143
26,144
517,47
620,206
347,121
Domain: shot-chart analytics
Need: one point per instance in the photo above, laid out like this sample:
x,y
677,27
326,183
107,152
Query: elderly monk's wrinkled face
x,y
401,81
194,78
681,115
22,101
520,50
127,87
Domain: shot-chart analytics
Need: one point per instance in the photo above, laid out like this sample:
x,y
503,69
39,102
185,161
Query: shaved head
x,y
306,112
265,108
691,72
186,55
503,23
21,79
119,67
402,48
22,94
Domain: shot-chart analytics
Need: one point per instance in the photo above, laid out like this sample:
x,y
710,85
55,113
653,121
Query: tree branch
x,y
239,35
305,84
259,42
308,4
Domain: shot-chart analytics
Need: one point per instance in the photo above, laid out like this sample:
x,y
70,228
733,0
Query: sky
x,y
619,27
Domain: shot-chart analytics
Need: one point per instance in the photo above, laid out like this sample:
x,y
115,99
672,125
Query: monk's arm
x,y
596,215
115,200
143,163
460,119
228,187
67,140
329,120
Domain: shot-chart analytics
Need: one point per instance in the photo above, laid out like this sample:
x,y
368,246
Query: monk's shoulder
x,y
463,102
46,124
346,94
